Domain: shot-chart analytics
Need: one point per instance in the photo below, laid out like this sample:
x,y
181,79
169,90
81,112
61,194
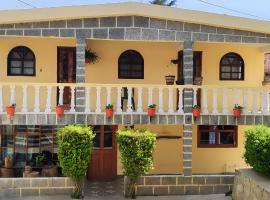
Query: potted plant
x,y
40,158
109,110
90,56
11,110
151,110
196,111
59,110
266,76
169,79
198,80
237,110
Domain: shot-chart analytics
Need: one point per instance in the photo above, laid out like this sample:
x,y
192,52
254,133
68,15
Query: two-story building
x,y
218,61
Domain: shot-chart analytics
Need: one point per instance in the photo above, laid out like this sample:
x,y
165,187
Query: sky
x,y
258,9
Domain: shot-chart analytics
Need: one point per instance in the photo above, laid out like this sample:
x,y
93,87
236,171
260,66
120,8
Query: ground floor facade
x,y
216,149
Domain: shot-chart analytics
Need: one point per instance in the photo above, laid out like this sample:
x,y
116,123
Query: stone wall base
x,y
20,187
181,185
251,185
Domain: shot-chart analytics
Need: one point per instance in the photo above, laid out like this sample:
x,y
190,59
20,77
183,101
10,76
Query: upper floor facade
x,y
217,61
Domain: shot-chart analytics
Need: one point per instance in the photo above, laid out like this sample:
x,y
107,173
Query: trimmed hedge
x,y
257,148
75,144
136,148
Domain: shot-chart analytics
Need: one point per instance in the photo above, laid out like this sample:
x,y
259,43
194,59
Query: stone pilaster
x,y
188,103
80,73
188,75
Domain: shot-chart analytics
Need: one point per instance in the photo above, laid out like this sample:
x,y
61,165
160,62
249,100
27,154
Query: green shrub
x,y
257,148
74,151
136,148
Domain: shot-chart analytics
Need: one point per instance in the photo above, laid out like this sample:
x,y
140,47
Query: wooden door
x,y
103,164
66,71
197,71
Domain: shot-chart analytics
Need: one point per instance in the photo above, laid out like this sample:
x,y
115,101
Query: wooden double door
x,y
66,71
103,164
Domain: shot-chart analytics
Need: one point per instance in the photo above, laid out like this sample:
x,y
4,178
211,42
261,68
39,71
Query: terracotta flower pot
x,y
8,162
169,79
109,112
59,110
10,110
87,61
196,112
237,112
151,112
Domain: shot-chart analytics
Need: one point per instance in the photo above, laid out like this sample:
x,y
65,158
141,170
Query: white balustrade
x,y
119,96
255,104
48,100
160,100
141,95
139,105
61,92
24,99
215,103
205,101
87,99
180,101
72,100
245,101
98,103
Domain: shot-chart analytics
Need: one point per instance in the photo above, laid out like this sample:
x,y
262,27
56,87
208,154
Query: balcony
x,y
85,103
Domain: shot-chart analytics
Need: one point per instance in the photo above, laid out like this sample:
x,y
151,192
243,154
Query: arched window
x,y
21,62
231,67
131,65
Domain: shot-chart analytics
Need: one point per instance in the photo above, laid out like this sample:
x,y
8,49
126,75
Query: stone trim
x,y
20,187
181,185
131,119
132,28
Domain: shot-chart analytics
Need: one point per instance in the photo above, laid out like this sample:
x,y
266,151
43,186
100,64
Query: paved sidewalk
x,y
120,197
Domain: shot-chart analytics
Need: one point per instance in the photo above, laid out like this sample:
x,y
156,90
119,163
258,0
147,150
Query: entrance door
x,y
103,164
66,71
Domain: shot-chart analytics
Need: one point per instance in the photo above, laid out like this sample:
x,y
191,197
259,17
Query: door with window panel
x,y
103,164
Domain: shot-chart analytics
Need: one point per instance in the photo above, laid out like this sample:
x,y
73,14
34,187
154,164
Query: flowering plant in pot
x,y
237,110
151,110
90,56
196,111
60,110
109,110
11,110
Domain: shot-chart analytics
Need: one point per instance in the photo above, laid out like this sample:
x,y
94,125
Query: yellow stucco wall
x,y
217,160
45,50
168,158
168,152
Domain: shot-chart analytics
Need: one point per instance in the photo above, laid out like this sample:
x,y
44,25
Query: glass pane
x,y
15,70
20,146
28,71
225,69
236,76
16,64
15,55
29,64
108,136
236,69
29,55
96,140
207,138
226,138
225,75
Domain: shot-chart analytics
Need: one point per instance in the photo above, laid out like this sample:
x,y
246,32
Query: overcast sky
x,y
247,8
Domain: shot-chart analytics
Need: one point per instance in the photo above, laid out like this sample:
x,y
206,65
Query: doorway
x,y
66,71
103,164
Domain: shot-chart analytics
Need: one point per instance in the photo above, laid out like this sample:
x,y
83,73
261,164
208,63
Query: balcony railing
x,y
131,98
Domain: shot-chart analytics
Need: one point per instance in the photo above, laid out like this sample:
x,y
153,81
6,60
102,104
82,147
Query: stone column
x,y
80,73
188,103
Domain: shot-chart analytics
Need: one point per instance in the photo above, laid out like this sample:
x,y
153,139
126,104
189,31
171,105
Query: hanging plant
x,y
91,56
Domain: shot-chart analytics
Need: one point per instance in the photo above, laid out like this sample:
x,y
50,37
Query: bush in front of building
x,y
136,147
257,148
74,151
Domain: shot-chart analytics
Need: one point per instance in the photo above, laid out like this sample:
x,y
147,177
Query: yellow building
x,y
214,61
